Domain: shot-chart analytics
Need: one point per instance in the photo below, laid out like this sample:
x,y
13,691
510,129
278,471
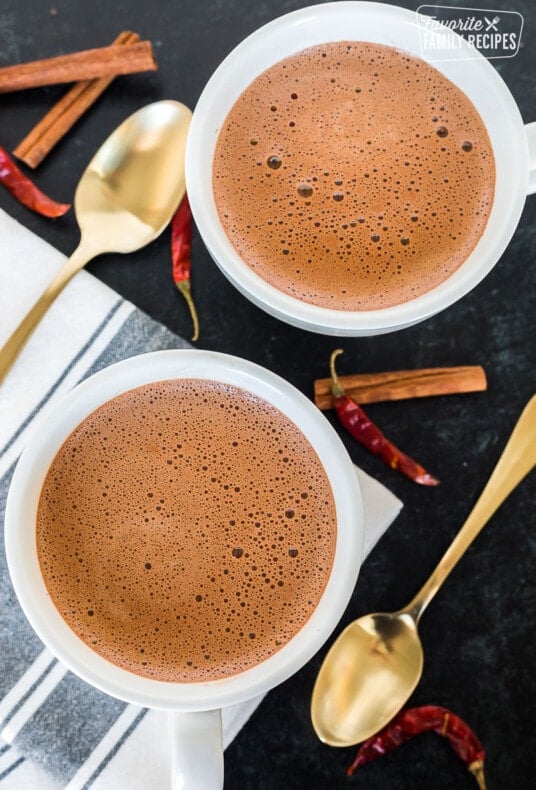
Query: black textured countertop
x,y
478,634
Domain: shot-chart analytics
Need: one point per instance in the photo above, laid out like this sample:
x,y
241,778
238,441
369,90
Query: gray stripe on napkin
x,y
11,768
126,735
26,695
21,645
74,718
67,727
139,334
65,372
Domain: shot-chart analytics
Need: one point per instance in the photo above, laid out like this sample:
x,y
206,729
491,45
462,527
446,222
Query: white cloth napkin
x,y
56,732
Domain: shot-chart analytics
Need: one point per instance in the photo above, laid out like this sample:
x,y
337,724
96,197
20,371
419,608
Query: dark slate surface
x,y
478,634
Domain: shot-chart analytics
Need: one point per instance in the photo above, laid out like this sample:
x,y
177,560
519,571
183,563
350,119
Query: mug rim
x,y
23,495
207,121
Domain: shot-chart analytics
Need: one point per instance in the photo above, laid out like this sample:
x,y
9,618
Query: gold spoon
x,y
376,662
125,198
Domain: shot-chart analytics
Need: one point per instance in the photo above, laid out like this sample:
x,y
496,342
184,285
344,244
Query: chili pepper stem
x,y
336,389
477,769
184,288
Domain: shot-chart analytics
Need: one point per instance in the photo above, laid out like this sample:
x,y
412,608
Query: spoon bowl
x,y
132,186
125,198
390,659
376,662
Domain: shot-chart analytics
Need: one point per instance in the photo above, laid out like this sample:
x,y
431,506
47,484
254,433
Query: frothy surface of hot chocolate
x,y
186,530
353,176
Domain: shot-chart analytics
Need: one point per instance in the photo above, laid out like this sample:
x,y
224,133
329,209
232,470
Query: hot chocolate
x,y
186,530
353,176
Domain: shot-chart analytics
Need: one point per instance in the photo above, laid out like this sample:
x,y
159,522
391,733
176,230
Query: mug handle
x,y
196,750
530,131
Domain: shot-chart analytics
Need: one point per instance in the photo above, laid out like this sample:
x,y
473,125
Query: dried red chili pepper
x,y
427,718
22,188
181,245
365,431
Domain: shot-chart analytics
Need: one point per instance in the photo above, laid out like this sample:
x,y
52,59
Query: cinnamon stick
x,y
85,65
64,114
403,384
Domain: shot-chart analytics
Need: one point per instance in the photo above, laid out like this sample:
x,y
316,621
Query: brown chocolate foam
x,y
186,530
353,176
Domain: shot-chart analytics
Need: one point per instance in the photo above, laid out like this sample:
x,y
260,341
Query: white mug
x,y
514,148
197,753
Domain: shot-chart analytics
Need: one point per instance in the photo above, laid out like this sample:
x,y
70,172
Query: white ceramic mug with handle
x,y
197,754
513,144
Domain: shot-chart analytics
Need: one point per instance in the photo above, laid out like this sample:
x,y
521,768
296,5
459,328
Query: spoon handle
x,y
13,345
517,459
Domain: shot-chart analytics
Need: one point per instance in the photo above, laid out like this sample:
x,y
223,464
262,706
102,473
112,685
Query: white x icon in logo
x,y
492,23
